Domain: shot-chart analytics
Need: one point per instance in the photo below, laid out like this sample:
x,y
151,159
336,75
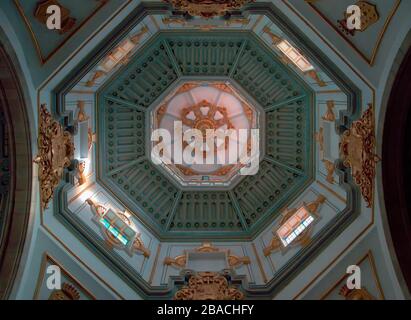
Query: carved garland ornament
x,y
56,151
357,152
207,8
208,286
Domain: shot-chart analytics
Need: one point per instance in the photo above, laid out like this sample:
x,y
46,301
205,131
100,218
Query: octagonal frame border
x,y
180,81
247,233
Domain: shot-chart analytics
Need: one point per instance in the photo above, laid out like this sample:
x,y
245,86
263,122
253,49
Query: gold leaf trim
x,y
357,150
208,286
181,260
207,8
56,151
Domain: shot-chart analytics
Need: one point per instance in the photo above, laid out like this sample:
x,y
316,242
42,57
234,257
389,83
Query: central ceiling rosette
x,y
210,108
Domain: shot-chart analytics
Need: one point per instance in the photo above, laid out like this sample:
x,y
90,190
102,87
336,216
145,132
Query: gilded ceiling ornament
x,y
187,87
181,260
135,38
81,114
242,21
330,167
357,150
186,171
316,77
329,114
67,292
90,138
274,38
222,87
206,116
369,16
96,75
319,137
135,243
119,55
207,8
160,113
208,286
138,245
180,21
81,166
355,294
40,13
305,237
248,112
56,151
223,171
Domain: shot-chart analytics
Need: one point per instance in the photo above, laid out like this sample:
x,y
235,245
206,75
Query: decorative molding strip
x,y
357,150
181,260
56,151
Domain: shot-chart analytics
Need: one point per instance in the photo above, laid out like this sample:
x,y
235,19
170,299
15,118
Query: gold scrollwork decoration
x,y
233,260
357,150
207,8
369,16
356,294
40,13
329,114
56,151
208,286
67,292
330,167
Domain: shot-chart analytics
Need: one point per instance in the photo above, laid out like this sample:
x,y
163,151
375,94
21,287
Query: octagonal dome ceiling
x,y
159,64
171,203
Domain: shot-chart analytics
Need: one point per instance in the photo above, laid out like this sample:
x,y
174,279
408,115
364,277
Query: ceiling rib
x,y
127,165
173,209
173,59
238,210
237,59
283,103
283,165
125,103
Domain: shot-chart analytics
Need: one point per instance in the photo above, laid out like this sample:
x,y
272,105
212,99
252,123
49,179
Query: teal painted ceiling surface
x,y
125,167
